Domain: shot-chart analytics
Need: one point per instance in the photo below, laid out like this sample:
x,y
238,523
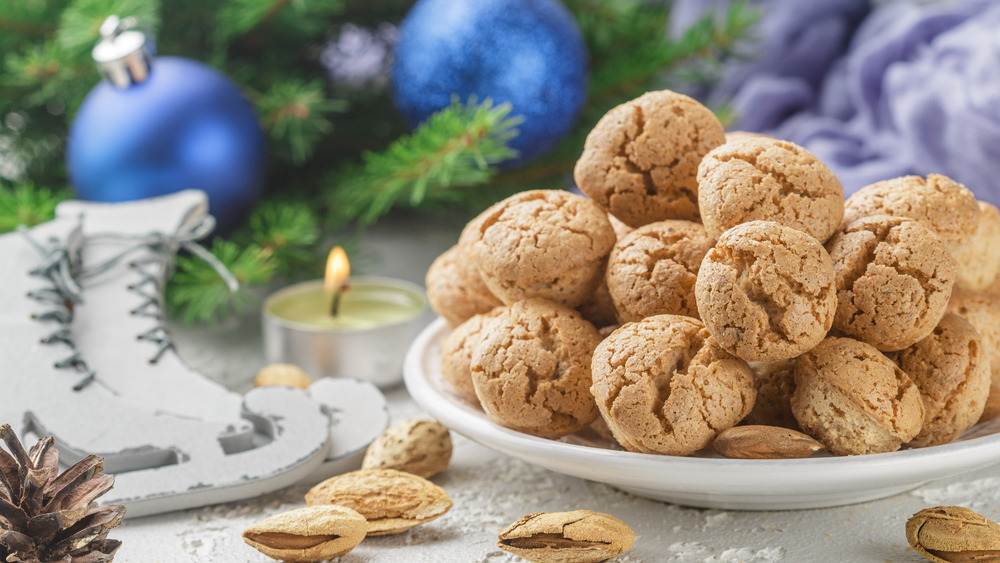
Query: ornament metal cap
x,y
124,54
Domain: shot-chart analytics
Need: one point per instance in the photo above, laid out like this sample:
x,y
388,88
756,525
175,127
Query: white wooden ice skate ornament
x,y
175,439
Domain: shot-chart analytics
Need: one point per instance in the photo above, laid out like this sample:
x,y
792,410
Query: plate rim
x,y
710,476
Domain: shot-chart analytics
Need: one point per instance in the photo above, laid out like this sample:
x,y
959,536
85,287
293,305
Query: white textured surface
x,y
491,491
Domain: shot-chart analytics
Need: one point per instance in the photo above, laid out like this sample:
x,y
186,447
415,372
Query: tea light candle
x,y
344,326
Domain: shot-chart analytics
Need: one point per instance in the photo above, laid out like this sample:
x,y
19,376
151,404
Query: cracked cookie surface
x,y
455,289
541,243
652,270
979,259
855,400
983,312
665,386
640,161
532,369
894,278
951,369
943,205
599,308
769,180
766,292
456,353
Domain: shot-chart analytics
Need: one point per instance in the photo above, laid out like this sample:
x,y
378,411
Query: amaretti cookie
x,y
456,290
979,259
541,243
940,203
766,292
599,308
769,180
983,312
531,371
652,270
456,353
775,383
640,161
894,278
952,371
854,400
665,386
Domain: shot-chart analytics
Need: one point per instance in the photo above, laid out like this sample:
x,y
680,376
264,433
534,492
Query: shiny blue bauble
x,y
185,127
526,52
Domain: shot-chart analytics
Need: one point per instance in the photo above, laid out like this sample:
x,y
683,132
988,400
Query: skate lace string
x,y
164,248
57,267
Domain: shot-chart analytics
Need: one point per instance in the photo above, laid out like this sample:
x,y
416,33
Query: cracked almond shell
x,y
578,536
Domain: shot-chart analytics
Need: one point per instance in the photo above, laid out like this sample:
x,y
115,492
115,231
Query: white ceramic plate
x,y
711,482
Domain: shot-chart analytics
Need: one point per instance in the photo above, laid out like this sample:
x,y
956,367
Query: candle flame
x,y
338,270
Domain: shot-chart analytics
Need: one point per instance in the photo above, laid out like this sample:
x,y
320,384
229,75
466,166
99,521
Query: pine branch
x,y
455,148
28,205
196,293
294,113
288,231
627,72
80,22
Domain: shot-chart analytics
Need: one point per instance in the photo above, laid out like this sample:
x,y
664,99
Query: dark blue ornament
x,y
526,52
185,126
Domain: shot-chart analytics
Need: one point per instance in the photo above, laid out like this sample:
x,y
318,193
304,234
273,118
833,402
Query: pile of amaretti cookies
x,y
708,282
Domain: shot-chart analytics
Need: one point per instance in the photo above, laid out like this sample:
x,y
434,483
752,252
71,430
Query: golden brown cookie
x,y
652,270
775,383
531,371
599,308
983,312
542,243
456,290
951,369
894,278
641,159
940,203
665,386
456,353
855,400
766,291
768,180
979,259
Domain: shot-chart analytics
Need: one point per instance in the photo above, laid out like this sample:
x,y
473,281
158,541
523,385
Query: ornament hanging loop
x,y
125,53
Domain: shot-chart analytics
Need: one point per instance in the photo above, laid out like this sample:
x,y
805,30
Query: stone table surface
x,y
491,490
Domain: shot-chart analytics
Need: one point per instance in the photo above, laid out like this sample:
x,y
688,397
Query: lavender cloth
x,y
793,46
918,93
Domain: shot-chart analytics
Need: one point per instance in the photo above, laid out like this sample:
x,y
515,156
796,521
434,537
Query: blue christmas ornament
x,y
158,126
526,52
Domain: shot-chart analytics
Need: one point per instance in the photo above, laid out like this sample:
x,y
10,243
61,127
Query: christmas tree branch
x,y
281,239
28,205
196,293
455,148
627,72
294,114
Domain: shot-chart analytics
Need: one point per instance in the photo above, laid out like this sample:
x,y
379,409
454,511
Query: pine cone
x,y
45,518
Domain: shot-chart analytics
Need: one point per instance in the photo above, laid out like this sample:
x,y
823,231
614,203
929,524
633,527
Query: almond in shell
x,y
421,447
954,534
578,536
392,501
314,533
